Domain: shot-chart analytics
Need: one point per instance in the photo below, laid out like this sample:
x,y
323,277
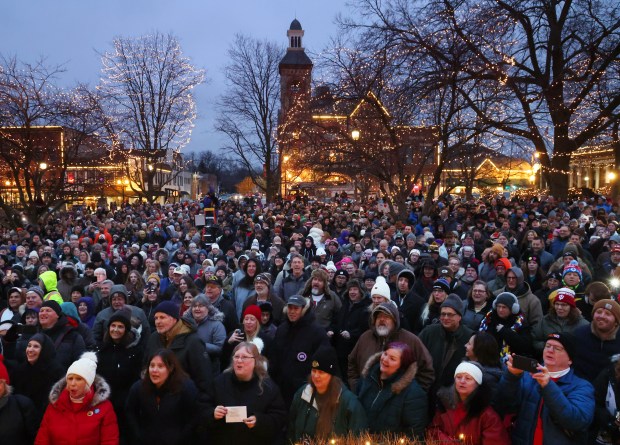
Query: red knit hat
x,y
564,295
252,310
4,374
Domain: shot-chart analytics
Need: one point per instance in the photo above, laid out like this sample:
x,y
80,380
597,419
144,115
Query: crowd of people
x,y
492,321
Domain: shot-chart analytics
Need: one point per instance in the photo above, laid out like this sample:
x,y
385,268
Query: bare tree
x,y
550,67
41,130
147,86
248,110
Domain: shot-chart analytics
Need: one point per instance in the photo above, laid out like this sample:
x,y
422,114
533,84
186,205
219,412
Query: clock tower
x,y
295,71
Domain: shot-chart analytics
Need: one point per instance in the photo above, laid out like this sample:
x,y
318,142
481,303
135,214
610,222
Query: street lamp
x,y
43,166
355,135
611,176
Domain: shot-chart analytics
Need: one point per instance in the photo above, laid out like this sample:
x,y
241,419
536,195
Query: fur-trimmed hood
x,y
101,391
401,380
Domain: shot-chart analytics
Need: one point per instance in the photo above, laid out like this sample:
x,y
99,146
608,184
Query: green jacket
x,y
304,413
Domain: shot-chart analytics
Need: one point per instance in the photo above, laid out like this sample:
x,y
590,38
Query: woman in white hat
x,y
79,408
464,414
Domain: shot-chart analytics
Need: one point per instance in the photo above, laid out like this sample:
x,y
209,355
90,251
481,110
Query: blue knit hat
x,y
573,266
168,308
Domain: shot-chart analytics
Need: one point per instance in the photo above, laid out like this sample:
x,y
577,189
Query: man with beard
x,y
558,244
325,303
385,329
598,341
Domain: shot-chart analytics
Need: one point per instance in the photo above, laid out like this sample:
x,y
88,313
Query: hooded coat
x,y
92,422
395,405
68,279
67,340
36,380
89,318
213,334
183,340
528,302
50,283
371,343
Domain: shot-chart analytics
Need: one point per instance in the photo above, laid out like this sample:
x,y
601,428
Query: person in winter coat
x,y
478,305
35,377
464,413
325,408
179,335
528,302
118,301
325,303
68,342
394,402
120,363
351,321
68,279
263,292
79,408
483,349
18,420
245,287
210,328
245,383
446,341
86,311
70,311
507,324
563,317
385,328
554,406
296,340
165,406
48,282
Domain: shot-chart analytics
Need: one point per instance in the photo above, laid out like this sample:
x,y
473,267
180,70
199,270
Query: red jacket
x,y
485,429
90,423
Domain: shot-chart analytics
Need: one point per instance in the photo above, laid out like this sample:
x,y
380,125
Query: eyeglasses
x,y
555,348
242,358
447,315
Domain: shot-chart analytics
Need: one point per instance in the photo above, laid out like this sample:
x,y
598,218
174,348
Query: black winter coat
x,y
163,417
190,351
353,318
292,351
266,404
17,420
35,381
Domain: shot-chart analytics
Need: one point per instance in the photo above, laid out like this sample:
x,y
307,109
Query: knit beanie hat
x,y
381,288
610,305
168,308
498,249
253,310
563,295
469,368
154,277
4,374
442,283
507,299
325,359
53,305
37,290
85,367
573,266
453,301
503,262
121,317
567,340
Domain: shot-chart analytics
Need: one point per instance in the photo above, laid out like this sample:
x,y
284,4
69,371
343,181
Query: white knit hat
x,y
471,369
85,367
381,288
331,266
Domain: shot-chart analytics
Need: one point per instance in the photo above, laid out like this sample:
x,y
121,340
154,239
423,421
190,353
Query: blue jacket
x,y
568,408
